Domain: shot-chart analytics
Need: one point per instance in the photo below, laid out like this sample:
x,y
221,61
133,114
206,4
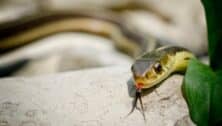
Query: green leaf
x,y
202,88
216,102
213,9
197,91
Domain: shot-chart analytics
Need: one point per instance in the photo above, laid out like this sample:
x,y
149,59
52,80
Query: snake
x,y
148,70
153,67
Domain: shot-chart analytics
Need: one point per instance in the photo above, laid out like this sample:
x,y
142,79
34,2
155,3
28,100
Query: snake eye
x,y
157,67
187,58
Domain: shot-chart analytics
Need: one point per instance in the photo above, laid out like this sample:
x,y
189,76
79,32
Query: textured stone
x,y
97,97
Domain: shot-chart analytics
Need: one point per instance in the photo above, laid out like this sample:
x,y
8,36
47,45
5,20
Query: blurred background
x,y
160,22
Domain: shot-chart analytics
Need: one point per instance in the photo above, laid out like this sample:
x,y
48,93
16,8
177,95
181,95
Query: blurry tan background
x,y
172,22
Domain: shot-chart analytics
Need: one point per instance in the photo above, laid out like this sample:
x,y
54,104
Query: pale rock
x,y
100,97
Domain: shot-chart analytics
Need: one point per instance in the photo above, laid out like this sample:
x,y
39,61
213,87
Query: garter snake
x,y
153,67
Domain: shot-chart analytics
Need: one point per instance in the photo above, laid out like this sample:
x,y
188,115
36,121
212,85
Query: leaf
x,y
213,9
216,102
202,88
197,91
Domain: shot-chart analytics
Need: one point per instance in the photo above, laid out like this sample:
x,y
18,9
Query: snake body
x,y
24,31
21,32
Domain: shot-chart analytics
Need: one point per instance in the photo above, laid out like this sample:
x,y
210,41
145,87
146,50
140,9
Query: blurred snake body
x,y
21,32
148,70
18,33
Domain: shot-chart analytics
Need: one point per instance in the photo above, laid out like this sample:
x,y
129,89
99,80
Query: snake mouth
x,y
155,75
139,86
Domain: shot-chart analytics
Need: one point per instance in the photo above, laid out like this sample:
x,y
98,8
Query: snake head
x,y
154,67
149,72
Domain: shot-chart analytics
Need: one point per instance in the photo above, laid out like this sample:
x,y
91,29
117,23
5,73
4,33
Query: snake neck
x,y
181,61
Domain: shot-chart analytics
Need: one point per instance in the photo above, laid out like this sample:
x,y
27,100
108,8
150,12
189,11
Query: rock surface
x,y
96,97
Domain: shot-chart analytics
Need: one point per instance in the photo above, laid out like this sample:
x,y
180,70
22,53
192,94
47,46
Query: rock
x,y
186,121
100,97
